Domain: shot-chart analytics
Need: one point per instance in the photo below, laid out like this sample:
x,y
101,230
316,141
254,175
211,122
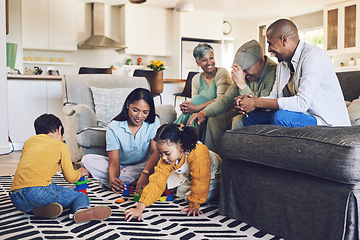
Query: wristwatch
x,y
146,171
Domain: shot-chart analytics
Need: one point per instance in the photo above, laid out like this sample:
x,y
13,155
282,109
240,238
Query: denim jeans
x,y
28,198
280,117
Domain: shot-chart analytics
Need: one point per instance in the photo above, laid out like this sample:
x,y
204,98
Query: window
x,y
313,36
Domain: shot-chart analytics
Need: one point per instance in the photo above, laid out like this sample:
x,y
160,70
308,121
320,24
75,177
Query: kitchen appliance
x,y
98,38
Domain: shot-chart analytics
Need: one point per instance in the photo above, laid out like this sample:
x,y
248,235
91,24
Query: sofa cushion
x,y
354,112
327,152
108,103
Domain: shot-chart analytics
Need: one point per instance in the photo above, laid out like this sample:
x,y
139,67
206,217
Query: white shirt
x,y
317,89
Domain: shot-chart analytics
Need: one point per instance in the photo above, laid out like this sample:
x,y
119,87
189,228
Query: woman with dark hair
x,y
131,151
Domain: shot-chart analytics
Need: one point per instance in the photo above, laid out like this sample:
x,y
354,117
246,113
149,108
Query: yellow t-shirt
x,y
40,159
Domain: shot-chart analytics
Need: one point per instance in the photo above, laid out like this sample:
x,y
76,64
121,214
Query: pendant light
x,y
184,6
137,1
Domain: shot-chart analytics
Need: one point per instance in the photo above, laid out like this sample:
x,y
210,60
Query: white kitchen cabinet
x,y
342,28
49,25
202,25
145,30
28,99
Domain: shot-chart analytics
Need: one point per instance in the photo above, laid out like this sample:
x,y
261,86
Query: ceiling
x,y
258,10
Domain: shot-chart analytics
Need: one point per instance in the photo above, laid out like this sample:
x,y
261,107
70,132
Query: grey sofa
x,y
83,134
296,183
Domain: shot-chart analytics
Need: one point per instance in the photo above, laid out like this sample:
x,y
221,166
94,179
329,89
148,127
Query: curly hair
x,y
172,132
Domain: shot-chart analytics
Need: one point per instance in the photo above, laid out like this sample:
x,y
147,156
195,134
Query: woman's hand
x,y
135,212
141,183
192,211
188,107
117,185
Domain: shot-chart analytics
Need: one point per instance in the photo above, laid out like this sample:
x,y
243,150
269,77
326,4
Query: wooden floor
x,y
8,163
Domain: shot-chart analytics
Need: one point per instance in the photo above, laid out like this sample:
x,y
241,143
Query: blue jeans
x,y
26,199
280,118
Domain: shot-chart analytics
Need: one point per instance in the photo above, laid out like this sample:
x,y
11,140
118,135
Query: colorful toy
x,y
168,195
120,200
137,198
81,185
131,189
126,192
162,199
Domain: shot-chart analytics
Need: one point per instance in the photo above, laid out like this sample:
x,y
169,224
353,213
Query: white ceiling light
x,y
184,6
137,1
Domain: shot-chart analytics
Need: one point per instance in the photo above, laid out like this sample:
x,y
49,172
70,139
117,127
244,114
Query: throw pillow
x,y
354,112
108,103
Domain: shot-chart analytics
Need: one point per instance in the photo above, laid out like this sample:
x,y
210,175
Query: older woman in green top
x,y
252,73
207,86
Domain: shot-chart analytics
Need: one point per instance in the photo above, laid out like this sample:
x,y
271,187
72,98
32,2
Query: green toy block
x,y
136,198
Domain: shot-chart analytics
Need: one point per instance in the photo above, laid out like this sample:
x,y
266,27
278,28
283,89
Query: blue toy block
x,y
127,191
170,197
81,187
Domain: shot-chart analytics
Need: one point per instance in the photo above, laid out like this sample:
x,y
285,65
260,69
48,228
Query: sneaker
x,y
52,210
93,213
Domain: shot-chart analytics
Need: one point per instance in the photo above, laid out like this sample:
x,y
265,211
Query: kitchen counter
x,y
33,77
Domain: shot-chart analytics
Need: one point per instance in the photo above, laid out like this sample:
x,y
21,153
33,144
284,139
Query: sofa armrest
x,y
331,153
166,113
85,116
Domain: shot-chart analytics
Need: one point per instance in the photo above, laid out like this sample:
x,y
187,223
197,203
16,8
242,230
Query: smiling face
x,y
207,62
169,151
276,46
138,112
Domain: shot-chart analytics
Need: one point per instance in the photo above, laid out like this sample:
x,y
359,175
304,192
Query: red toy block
x,y
83,191
168,192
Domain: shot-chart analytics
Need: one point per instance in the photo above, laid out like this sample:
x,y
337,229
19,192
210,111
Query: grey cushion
x,y
327,152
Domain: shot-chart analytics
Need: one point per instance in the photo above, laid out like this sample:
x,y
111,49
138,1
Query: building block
x,y
168,192
126,192
120,200
81,187
170,197
136,198
81,182
162,199
131,189
83,191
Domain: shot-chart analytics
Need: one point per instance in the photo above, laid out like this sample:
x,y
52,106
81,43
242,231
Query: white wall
x,y
242,31
4,144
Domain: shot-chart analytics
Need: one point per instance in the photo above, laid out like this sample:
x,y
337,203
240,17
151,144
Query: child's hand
x,y
141,183
135,212
117,185
83,171
192,211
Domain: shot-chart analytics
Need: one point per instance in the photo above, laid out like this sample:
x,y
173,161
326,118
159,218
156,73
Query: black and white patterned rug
x,y
162,220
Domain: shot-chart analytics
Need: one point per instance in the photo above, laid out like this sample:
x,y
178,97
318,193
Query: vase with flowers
x,y
156,79
157,65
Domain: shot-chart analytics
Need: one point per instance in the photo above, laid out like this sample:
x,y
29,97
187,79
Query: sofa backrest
x,y
76,88
350,84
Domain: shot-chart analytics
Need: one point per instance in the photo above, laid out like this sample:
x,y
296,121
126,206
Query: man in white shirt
x,y
306,90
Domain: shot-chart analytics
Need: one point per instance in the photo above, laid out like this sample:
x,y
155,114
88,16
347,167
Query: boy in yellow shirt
x,y
32,190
